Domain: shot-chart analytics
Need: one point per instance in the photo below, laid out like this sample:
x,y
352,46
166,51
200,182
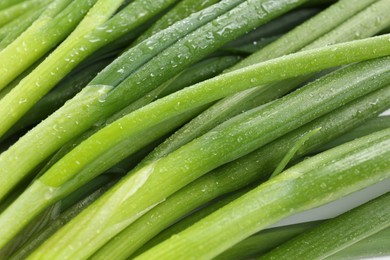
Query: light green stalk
x,y
243,171
180,11
309,31
39,237
134,195
373,246
369,127
185,222
338,233
7,3
119,84
311,183
190,98
64,91
17,10
264,241
53,25
296,39
12,30
192,75
93,32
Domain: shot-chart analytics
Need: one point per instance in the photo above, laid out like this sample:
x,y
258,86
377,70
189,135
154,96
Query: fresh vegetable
x,y
256,245
222,147
7,15
241,172
93,32
296,39
54,225
369,127
136,128
8,3
180,225
372,246
42,36
337,234
181,10
93,109
325,177
264,241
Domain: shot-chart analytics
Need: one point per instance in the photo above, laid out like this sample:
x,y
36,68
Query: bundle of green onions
x,y
184,129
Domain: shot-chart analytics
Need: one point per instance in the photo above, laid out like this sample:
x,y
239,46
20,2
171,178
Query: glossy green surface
x,y
213,149
326,177
336,234
243,171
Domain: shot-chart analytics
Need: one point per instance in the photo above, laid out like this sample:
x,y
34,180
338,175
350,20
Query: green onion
x,y
65,90
39,237
41,37
194,74
97,90
120,125
8,3
180,11
273,29
9,14
213,149
182,224
176,206
96,102
12,30
293,150
242,171
258,244
296,39
264,241
369,127
309,31
93,32
338,233
180,140
372,246
326,177
89,164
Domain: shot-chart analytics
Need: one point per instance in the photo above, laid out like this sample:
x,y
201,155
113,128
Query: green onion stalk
x,y
325,177
100,99
225,143
339,233
349,29
241,172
